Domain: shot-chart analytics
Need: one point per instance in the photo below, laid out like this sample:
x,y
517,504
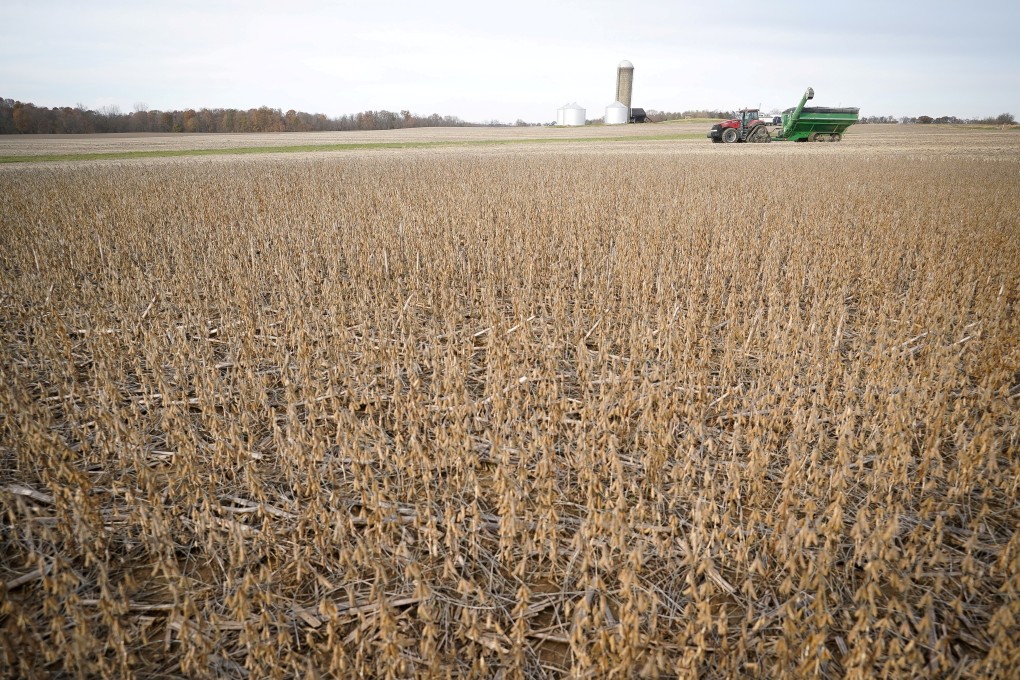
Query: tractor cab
x,y
747,117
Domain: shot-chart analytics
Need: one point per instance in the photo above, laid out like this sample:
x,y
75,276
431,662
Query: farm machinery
x,y
798,124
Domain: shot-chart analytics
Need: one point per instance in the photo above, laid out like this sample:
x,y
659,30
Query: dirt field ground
x,y
620,409
46,144
892,139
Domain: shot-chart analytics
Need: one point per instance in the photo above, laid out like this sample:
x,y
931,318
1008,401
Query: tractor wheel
x,y
759,135
813,137
835,137
729,135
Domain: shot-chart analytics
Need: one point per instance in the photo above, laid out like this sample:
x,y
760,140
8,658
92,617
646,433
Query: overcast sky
x,y
520,59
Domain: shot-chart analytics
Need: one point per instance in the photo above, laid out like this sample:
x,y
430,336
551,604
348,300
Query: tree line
x,y
655,116
1001,119
26,118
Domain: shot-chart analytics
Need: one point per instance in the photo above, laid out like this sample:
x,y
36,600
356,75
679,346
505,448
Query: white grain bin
x,y
573,114
617,114
561,115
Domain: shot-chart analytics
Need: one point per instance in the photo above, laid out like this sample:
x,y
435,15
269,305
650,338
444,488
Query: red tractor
x,y
747,127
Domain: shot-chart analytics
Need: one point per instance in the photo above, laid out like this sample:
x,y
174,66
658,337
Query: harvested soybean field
x,y
620,409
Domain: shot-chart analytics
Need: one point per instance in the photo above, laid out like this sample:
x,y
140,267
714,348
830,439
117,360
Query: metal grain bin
x,y
573,114
617,113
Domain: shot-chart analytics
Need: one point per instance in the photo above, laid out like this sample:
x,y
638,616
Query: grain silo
x,y
561,113
617,114
624,83
573,114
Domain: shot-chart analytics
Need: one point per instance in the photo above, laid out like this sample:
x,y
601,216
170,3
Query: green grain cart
x,y
816,124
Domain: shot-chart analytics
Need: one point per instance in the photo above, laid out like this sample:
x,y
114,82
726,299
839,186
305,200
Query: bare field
x,y
14,145
599,409
918,139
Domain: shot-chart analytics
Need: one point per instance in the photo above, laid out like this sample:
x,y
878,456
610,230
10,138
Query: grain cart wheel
x,y
729,135
835,137
813,137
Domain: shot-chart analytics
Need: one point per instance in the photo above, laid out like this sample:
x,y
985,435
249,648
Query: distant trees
x,y
655,116
26,118
1001,119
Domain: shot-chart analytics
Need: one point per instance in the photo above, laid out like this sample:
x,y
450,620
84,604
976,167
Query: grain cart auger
x,y
799,124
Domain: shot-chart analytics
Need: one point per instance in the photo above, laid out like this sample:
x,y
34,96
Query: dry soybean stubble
x,y
456,414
